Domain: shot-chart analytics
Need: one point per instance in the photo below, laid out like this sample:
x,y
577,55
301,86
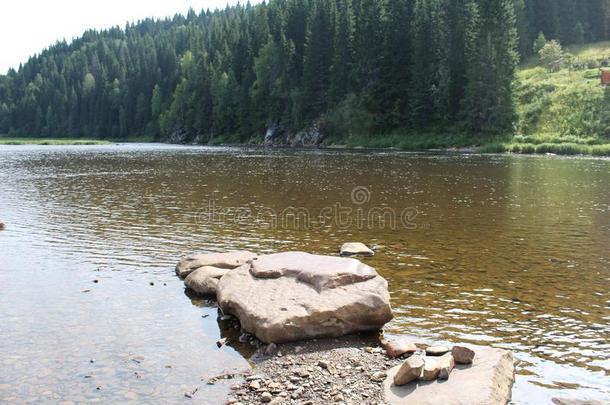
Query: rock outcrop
x,y
228,260
487,381
294,296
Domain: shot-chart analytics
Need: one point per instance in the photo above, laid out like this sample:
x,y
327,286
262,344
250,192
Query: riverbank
x,y
50,141
348,370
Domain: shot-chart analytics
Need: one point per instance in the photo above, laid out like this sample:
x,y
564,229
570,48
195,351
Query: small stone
x,y
437,350
410,370
324,364
302,373
462,355
398,348
270,349
356,248
221,342
431,369
274,385
266,397
379,376
446,364
254,385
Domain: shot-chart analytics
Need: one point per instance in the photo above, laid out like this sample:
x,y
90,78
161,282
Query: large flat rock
x,y
293,296
487,381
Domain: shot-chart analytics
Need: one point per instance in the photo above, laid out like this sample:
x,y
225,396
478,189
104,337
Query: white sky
x,y
29,26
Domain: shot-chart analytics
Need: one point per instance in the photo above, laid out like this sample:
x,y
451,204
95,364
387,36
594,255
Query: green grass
x,y
565,112
414,142
5,140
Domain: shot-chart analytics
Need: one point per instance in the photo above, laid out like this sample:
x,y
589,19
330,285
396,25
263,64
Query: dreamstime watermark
x,y
337,215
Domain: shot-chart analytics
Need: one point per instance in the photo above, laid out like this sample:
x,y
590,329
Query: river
x,y
507,251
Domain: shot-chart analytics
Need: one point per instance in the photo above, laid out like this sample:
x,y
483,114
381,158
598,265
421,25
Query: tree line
x,y
348,66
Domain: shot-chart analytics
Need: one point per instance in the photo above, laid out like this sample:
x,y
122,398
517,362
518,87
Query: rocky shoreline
x,y
346,370
316,322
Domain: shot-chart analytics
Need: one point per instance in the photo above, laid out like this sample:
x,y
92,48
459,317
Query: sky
x,y
29,26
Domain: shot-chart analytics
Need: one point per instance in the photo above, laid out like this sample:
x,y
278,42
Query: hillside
x,y
410,74
567,111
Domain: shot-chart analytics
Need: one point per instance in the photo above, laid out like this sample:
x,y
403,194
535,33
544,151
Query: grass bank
x,y
566,112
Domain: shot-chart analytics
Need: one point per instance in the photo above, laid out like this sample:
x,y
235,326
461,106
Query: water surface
x,y
506,251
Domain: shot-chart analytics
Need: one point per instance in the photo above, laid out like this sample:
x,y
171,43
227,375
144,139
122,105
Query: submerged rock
x,y
2,226
294,296
205,279
488,381
228,260
409,371
355,248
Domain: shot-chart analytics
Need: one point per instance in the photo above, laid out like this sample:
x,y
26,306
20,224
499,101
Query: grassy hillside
x,y
565,112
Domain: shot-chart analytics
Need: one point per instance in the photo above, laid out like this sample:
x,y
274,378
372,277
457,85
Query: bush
x,y
551,56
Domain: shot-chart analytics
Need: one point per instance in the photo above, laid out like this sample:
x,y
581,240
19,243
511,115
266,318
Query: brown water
x,y
512,252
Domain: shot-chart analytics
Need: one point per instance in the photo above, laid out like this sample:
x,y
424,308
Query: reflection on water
x,y
504,251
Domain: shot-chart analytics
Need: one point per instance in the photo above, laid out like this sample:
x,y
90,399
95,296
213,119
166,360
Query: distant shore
x,y
516,145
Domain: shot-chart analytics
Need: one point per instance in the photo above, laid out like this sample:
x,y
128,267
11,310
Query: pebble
x,y
266,397
379,376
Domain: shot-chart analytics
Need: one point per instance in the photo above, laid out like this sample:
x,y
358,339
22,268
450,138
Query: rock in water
x,y
204,280
437,350
397,348
446,364
293,296
488,381
356,248
228,260
462,355
2,226
409,371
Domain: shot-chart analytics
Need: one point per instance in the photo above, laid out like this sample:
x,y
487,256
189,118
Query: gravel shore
x,y
348,370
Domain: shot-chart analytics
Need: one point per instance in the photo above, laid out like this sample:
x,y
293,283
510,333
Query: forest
x,y
344,67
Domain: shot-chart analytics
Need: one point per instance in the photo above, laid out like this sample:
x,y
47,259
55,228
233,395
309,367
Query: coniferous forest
x,y
345,66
